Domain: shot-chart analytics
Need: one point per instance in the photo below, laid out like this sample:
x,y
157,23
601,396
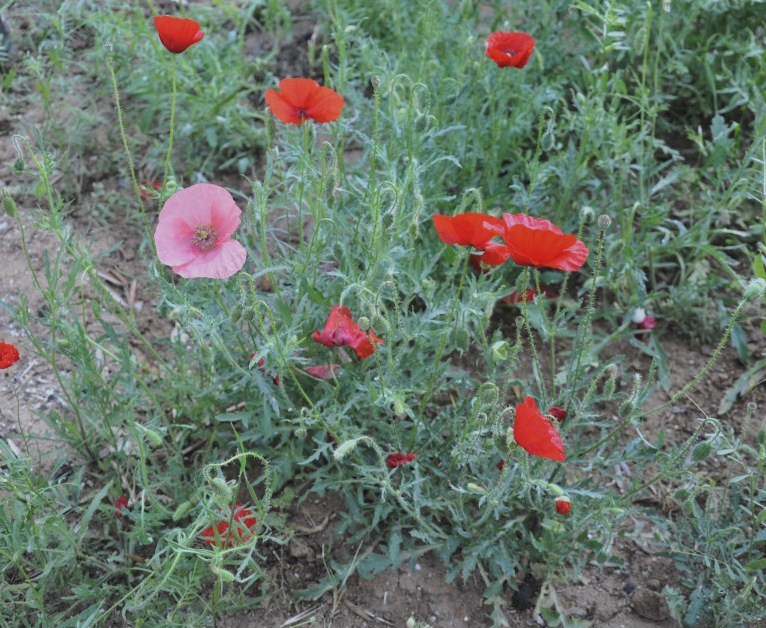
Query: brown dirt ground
x,y
629,597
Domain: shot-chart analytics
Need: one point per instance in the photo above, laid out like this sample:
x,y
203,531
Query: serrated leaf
x,y
756,565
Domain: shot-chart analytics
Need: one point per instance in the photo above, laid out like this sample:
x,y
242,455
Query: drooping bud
x,y
344,449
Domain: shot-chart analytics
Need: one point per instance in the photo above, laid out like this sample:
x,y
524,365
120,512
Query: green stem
x,y
535,357
172,128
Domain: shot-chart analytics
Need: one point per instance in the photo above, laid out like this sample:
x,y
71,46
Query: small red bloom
x,y
535,433
645,325
121,502
510,49
299,99
340,329
243,520
262,365
323,371
501,465
557,413
469,229
8,355
150,189
398,459
563,505
177,33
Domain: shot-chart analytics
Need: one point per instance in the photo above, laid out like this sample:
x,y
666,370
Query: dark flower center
x,y
204,237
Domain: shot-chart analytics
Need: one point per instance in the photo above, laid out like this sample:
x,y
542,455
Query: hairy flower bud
x,y
603,222
9,205
221,488
755,289
344,449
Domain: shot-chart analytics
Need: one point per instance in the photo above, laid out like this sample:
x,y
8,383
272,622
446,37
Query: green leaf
x,y
756,565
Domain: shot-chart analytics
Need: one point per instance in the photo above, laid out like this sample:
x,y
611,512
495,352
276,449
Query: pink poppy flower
x,y
193,235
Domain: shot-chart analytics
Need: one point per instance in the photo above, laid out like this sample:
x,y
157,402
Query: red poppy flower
x,y
535,433
510,49
501,465
644,324
537,242
340,329
177,33
515,297
563,505
121,502
323,371
302,98
398,459
8,355
469,229
243,520
557,413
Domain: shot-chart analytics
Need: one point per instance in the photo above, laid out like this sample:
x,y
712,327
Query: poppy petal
x,y
468,229
281,108
535,433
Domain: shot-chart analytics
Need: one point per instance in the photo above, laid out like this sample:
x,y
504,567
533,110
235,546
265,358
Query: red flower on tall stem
x,y
8,355
534,432
341,329
299,99
398,459
177,33
243,522
510,49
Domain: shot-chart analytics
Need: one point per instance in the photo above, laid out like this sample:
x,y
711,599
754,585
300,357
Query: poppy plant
x,y
643,323
8,355
177,33
243,521
262,364
509,49
193,235
299,99
398,459
341,329
536,242
534,433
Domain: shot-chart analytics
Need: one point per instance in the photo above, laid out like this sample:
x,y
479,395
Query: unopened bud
x,y
364,323
344,449
563,505
627,408
221,488
236,313
224,575
475,488
18,167
509,439
182,510
9,205
753,292
375,80
603,222
587,214
638,316
702,451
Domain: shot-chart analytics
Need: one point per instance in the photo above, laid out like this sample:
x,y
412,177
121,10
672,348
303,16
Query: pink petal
x,y
220,262
173,238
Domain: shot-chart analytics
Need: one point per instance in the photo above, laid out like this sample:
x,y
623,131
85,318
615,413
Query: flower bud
x,y
223,574
475,488
587,213
344,449
702,451
563,505
9,205
638,316
18,167
221,488
753,292
363,322
603,222
181,511
236,313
